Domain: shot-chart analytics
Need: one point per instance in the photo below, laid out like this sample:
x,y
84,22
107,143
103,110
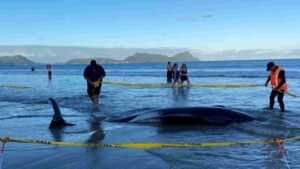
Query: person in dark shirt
x,y
49,70
278,84
94,75
169,73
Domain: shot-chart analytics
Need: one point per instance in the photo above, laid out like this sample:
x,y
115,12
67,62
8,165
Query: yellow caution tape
x,y
148,145
16,87
157,85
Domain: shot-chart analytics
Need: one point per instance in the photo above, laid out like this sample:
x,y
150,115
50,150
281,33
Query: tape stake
x,y
2,154
3,145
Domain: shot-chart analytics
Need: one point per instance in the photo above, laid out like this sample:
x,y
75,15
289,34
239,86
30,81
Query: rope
x,y
293,95
158,85
16,87
282,151
286,161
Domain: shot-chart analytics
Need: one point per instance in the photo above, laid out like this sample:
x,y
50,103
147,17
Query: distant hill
x,y
183,57
61,54
15,60
146,58
138,58
98,60
155,58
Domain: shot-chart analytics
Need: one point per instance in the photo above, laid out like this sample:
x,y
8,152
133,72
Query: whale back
x,y
190,115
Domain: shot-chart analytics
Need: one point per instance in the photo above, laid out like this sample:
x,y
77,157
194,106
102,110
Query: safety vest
x,y
275,80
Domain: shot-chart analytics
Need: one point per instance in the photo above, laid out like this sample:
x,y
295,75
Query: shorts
x,y
91,90
184,78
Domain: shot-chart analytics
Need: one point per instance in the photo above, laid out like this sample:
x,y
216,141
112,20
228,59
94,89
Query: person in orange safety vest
x,y
278,84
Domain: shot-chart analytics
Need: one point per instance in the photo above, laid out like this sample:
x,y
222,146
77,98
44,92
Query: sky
x,y
203,25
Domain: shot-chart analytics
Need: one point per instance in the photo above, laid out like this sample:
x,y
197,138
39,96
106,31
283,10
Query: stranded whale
x,y
57,120
189,115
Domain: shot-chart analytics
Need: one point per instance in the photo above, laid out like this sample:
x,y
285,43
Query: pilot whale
x,y
57,119
189,115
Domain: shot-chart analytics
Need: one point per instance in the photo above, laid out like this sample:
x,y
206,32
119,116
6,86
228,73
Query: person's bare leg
x,y
95,101
92,99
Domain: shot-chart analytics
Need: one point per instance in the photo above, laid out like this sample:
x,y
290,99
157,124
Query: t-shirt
x,y
94,72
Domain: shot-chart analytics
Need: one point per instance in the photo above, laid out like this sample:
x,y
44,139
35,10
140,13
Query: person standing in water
x,y
49,70
94,74
32,69
175,74
183,72
169,73
278,84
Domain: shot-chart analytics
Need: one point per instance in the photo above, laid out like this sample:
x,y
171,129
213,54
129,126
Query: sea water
x,y
26,114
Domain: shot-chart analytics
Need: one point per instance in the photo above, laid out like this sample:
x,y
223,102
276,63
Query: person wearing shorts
x,y
94,74
183,72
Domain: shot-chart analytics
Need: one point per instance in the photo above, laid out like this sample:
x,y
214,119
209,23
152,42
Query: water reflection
x,y
57,134
180,93
95,127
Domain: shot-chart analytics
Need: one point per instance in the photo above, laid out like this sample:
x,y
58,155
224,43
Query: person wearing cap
x,y
93,74
278,84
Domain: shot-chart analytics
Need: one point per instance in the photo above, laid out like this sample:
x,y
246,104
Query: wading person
x,y
278,84
169,73
183,72
94,75
175,74
49,70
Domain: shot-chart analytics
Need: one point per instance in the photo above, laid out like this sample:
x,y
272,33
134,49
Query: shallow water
x,y
26,114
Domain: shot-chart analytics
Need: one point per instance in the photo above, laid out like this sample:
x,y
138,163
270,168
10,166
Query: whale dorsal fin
x,y
57,119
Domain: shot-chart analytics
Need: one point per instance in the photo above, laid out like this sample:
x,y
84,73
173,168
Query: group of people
x,y
49,70
175,76
94,74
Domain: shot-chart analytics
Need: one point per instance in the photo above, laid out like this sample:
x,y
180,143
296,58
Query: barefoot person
x,y
94,74
278,84
176,74
183,72
169,73
49,70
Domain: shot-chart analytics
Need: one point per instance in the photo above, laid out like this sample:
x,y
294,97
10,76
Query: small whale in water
x,y
57,120
189,115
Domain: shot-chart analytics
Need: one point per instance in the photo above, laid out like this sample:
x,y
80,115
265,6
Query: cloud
x,y
206,15
195,18
189,19
247,54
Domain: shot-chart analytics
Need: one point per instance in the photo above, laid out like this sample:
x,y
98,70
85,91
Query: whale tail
x,y
57,120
